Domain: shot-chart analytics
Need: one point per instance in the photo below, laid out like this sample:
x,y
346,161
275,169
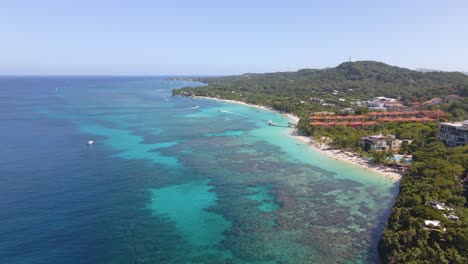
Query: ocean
x,y
171,180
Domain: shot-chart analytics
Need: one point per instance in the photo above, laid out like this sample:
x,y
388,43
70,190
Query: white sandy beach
x,y
349,157
324,149
237,102
290,116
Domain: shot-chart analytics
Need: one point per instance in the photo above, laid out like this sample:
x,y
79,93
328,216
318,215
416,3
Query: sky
x,y
227,37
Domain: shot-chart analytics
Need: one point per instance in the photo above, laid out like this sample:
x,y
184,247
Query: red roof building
x,y
374,118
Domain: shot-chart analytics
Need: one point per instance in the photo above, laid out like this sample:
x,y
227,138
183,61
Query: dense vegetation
x,y
292,91
458,110
435,175
436,172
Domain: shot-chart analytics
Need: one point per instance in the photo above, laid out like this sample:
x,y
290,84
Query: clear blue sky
x,y
102,37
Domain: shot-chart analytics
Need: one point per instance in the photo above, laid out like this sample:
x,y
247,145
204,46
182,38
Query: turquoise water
x,y
186,206
173,180
266,200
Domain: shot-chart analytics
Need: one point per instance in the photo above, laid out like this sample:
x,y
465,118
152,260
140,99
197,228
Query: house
x,y
384,99
382,103
433,101
382,143
347,110
316,100
453,134
440,206
433,225
377,143
376,105
451,216
397,143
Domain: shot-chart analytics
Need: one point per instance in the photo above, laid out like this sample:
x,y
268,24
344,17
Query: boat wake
x,y
229,112
195,107
224,111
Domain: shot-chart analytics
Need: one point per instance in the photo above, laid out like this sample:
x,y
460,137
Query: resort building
x,y
453,134
374,118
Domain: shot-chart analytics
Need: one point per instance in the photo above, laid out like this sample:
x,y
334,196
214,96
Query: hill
x,y
359,80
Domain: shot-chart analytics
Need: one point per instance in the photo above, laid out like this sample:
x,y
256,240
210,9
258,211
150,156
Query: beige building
x,y
382,143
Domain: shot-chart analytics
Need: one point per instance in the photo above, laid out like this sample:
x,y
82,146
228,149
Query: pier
x,y
290,125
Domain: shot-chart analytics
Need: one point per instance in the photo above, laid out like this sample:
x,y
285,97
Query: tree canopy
x,y
294,91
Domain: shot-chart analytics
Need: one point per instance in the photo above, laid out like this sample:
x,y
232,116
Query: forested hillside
x,y
434,176
350,81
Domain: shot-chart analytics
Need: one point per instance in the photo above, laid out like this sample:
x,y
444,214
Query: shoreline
x,y
349,157
336,154
289,115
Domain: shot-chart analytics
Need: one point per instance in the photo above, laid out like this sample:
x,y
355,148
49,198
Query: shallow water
x,y
171,180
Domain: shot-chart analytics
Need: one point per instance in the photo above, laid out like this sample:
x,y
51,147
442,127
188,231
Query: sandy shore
x,y
290,116
349,157
324,149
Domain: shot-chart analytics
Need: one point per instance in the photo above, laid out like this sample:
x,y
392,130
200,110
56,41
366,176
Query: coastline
x,y
291,116
344,156
349,157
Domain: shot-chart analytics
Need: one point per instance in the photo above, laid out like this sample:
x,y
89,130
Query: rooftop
x,y
463,125
435,223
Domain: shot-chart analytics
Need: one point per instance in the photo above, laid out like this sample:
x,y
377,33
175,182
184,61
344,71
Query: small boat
x,y
90,142
270,123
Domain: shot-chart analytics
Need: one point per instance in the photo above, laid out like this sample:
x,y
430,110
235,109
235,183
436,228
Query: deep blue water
x,y
170,180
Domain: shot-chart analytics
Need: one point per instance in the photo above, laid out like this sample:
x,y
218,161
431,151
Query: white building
x,y
380,103
453,134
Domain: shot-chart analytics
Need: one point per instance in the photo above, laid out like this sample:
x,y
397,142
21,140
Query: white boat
x,y
270,123
90,142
